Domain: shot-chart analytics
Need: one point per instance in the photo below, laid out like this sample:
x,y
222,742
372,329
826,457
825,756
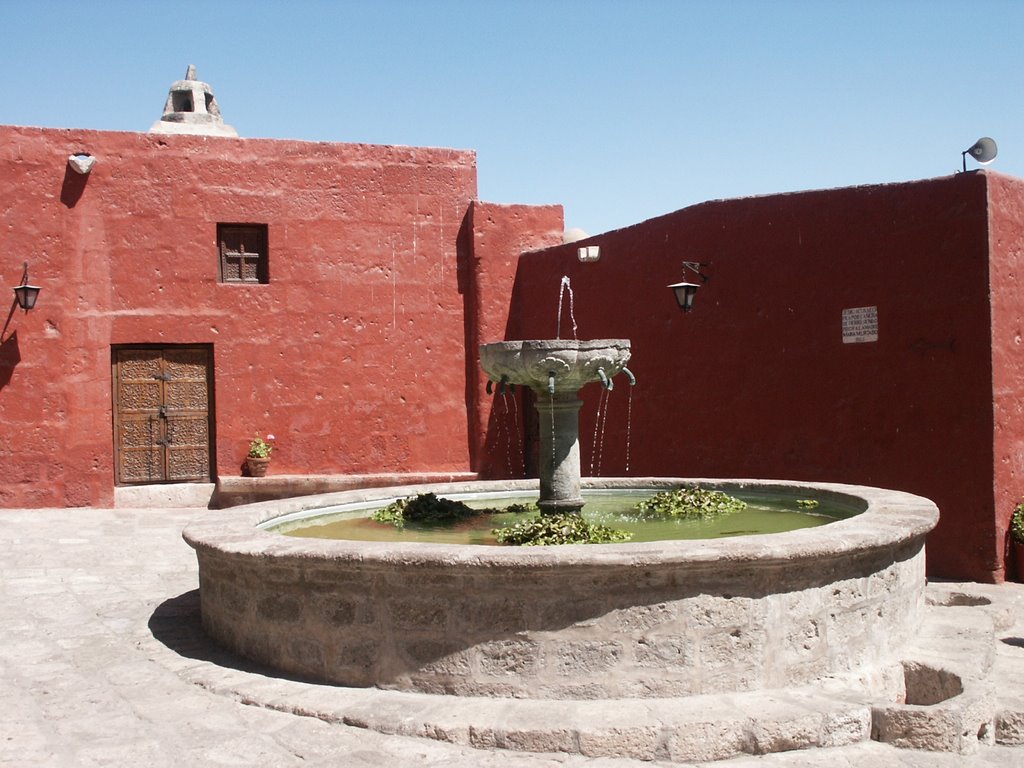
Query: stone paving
x,y
101,665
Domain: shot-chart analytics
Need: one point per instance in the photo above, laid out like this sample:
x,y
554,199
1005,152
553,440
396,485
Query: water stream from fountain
x,y
597,448
506,427
629,423
563,286
602,416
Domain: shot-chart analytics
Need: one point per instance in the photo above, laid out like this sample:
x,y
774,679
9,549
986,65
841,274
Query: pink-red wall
x,y
1006,280
491,242
352,355
360,353
757,381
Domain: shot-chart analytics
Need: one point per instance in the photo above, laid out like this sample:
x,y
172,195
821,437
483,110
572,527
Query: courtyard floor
x,y
100,655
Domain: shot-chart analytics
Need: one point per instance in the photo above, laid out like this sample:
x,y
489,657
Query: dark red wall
x,y
757,382
352,355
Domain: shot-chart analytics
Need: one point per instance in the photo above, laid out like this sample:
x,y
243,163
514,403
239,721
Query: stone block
x,y
643,618
731,649
434,657
804,640
227,598
838,729
848,592
1010,727
417,614
489,616
509,657
785,731
661,687
306,654
586,656
583,613
661,651
713,612
540,740
706,741
959,726
354,660
637,742
280,609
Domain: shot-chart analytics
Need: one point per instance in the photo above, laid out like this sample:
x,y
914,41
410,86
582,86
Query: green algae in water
x,y
766,512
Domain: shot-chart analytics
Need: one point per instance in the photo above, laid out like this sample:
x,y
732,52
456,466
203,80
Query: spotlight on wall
x,y
26,294
685,291
81,163
984,151
588,253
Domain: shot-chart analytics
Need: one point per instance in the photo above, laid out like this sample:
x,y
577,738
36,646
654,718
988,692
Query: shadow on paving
x,y
177,623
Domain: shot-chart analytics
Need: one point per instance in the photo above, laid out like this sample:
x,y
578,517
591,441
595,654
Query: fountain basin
x,y
660,619
573,363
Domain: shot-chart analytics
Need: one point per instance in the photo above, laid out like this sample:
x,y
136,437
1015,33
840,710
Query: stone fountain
x,y
438,626
557,370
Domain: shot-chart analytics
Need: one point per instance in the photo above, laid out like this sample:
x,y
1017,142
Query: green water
x,y
765,513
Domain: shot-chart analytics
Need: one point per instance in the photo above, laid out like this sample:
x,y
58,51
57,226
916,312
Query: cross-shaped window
x,y
243,253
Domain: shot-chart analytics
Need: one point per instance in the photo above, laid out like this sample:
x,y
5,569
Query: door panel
x,y
162,414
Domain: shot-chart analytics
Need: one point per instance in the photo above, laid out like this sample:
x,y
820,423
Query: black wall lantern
x,y
26,294
685,292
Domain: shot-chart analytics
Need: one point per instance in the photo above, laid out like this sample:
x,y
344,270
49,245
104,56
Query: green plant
x,y
424,508
1017,524
808,503
688,503
260,448
565,528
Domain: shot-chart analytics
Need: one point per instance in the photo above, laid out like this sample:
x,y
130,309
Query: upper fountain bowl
x,y
572,363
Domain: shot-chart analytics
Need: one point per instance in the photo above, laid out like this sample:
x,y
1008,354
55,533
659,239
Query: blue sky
x,y
620,111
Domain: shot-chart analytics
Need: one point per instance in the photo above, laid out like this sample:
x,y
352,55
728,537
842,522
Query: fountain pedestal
x,y
556,370
559,453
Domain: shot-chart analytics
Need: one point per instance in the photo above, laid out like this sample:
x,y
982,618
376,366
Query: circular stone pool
x,y
667,618
775,511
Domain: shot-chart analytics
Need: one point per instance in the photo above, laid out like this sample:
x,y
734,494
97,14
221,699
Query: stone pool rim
x,y
580,621
889,518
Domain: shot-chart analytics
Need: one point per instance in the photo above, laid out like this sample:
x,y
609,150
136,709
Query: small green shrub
x,y
519,509
688,503
428,508
425,508
565,528
1017,524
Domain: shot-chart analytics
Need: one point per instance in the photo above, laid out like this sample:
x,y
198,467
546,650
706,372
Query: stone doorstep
x,y
233,491
163,495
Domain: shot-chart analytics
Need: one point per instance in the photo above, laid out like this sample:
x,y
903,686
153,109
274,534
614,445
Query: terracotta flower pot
x,y
257,467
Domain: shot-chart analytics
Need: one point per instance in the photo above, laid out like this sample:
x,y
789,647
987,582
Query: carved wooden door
x,y
162,414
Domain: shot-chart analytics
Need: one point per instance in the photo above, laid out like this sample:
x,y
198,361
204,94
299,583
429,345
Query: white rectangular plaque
x,y
860,324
